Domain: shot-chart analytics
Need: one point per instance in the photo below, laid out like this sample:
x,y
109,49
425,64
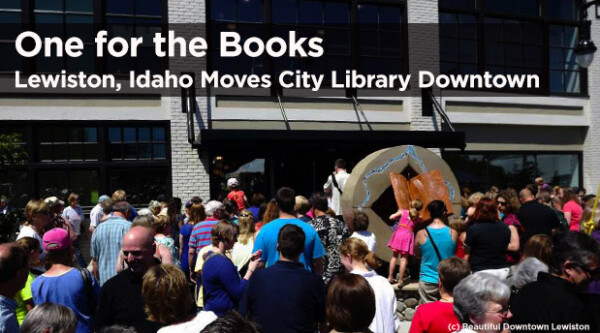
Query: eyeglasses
x,y
503,311
594,273
502,203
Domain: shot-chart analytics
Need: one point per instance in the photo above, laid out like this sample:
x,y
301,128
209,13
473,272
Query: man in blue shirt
x,y
285,297
107,240
13,275
267,237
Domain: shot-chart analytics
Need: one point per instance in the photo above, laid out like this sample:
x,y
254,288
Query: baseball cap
x,y
54,201
103,198
56,239
232,182
189,204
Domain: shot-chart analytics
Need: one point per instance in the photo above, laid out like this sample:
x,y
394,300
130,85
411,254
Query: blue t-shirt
x,y
186,232
266,240
69,290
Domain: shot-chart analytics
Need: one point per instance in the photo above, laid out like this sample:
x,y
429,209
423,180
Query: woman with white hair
x,y
481,304
526,272
51,318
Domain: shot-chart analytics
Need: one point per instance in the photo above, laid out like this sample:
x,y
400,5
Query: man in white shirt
x,y
336,186
96,214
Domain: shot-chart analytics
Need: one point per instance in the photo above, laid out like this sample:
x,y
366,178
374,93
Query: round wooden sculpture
x,y
369,187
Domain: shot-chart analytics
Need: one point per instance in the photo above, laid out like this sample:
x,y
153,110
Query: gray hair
x,y
144,211
527,271
145,221
57,318
473,294
212,206
154,204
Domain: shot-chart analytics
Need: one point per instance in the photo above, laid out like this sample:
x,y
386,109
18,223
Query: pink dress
x,y
403,239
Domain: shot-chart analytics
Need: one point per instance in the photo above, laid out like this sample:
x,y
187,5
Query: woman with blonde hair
x,y
167,300
37,213
357,259
242,249
162,236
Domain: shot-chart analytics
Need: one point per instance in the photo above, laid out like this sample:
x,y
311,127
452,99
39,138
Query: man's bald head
x,y
13,268
139,249
525,195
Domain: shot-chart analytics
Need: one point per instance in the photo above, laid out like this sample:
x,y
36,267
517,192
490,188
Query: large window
x,y
368,36
88,158
67,18
480,171
512,37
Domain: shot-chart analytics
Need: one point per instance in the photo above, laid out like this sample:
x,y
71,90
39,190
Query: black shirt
x,y
537,219
487,242
551,301
285,298
121,303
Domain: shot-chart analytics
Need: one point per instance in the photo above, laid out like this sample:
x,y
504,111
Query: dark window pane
x,y
86,184
147,60
556,81
45,134
91,152
337,41
570,63
142,185
336,12
368,14
310,12
468,51
49,65
46,153
114,134
513,55
466,4
76,152
468,26
158,134
145,150
561,9
532,33
561,170
49,4
570,37
116,151
12,4
556,34
119,7
60,134
449,68
130,151
572,82
533,56
61,152
284,11
144,134
223,10
249,11
449,49
494,54
82,5
76,134
556,58
512,31
390,43
90,134
129,134
11,60
368,43
493,29
84,63
53,183
159,150
149,7
521,7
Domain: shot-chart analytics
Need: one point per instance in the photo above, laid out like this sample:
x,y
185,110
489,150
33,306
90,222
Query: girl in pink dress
x,y
403,239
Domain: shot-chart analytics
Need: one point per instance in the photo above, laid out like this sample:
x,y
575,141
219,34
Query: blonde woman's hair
x,y
415,206
160,224
35,207
358,250
166,294
271,213
475,197
457,223
246,224
118,196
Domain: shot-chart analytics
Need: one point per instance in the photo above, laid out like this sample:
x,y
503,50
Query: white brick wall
x,y
591,153
189,166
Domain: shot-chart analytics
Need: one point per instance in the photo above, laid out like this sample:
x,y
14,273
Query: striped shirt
x,y
106,245
201,233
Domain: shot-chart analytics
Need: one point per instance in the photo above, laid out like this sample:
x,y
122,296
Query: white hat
x,y
232,182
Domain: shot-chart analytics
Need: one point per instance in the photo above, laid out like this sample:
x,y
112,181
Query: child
x,y
236,194
403,239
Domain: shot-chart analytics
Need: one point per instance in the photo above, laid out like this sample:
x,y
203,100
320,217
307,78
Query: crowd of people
x,y
509,260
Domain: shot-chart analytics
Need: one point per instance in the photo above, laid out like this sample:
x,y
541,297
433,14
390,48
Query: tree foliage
x,y
11,151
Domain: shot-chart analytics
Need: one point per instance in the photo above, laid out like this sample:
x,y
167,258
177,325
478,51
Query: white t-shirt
x,y
27,231
336,196
75,216
202,319
96,215
385,320
241,253
367,237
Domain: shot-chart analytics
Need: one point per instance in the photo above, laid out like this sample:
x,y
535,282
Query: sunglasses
x,y
502,203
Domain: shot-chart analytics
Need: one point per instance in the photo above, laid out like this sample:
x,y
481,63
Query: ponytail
x,y
358,250
415,206
372,260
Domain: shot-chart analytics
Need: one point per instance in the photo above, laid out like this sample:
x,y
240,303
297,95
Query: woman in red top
x,y
439,316
571,208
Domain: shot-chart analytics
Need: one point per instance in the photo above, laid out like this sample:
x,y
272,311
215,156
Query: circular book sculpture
x,y
388,179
